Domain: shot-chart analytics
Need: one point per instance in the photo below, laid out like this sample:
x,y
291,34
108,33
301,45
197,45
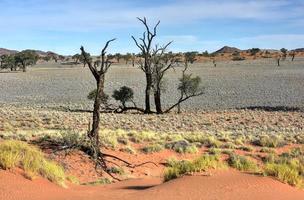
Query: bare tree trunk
x,y
148,92
157,100
94,133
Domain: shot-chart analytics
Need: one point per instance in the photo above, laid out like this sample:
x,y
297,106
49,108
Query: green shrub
x,y
182,146
215,151
128,149
284,172
179,168
271,141
242,163
153,148
267,150
19,154
245,148
211,142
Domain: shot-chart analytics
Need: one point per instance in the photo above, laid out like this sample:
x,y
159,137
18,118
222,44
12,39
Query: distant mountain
x,y
227,49
4,51
43,53
7,51
299,50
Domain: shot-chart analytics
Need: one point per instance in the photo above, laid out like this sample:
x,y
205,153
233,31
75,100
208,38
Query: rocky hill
x,y
227,49
7,51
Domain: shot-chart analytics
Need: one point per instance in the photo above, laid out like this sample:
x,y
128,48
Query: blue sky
x,y
63,25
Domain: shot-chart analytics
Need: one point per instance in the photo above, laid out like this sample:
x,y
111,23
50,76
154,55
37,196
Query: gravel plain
x,y
254,83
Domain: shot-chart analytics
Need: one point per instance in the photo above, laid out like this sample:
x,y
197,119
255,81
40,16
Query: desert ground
x,y
232,84
242,139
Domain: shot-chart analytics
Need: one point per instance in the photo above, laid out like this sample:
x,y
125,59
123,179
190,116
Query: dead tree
x,y
292,54
214,62
145,46
161,63
99,74
278,58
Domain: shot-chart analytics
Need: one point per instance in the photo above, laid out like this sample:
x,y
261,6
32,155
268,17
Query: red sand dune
x,y
221,185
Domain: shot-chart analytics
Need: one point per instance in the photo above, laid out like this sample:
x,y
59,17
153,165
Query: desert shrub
x,y
284,172
187,149
228,145
111,138
242,163
271,157
109,141
19,154
180,168
124,94
152,148
224,136
228,152
238,58
239,140
72,139
92,95
128,149
271,141
144,136
182,146
245,148
267,150
215,151
211,142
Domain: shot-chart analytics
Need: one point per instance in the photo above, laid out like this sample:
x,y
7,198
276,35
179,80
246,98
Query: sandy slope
x,y
221,185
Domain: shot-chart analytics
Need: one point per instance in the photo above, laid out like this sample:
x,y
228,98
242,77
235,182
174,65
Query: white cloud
x,y
90,15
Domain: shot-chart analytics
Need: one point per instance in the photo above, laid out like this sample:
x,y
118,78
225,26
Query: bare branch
x,y
87,60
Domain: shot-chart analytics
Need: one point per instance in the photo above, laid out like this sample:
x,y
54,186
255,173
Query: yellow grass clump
x,y
31,160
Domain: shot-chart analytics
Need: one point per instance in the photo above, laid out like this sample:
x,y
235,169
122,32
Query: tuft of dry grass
x,y
179,168
242,163
20,154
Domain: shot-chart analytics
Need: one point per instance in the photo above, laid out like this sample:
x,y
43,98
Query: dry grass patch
x,y
19,154
242,163
177,169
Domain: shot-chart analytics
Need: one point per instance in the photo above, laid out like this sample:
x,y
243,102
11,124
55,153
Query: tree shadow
x,y
138,187
273,108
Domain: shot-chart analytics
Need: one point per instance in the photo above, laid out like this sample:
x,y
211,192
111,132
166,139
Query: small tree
x,y
189,87
124,95
205,54
190,57
284,53
292,54
76,58
8,62
118,56
254,51
26,58
278,58
83,58
92,96
127,57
